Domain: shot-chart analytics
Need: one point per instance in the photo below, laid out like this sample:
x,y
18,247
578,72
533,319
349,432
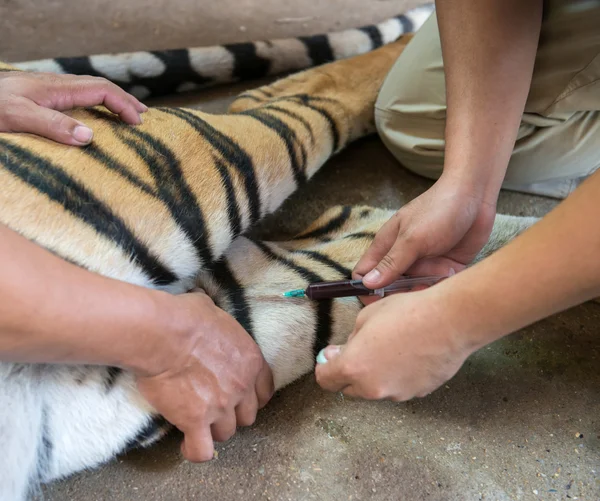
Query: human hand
x,y
403,346
438,233
215,381
33,102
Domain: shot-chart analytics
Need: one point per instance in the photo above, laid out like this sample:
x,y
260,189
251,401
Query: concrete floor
x,y
518,422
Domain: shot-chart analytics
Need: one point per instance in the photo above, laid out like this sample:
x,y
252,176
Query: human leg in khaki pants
x,y
558,143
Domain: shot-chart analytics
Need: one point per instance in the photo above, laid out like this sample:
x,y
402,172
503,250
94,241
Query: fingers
x,y
26,116
392,265
440,266
245,412
92,91
382,243
389,256
198,445
224,428
32,103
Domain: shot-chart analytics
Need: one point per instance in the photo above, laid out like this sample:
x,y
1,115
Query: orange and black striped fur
x,y
166,205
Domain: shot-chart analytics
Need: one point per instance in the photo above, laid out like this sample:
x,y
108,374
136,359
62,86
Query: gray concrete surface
x,y
519,421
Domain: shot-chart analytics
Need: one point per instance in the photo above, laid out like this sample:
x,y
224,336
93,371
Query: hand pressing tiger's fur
x,y
164,205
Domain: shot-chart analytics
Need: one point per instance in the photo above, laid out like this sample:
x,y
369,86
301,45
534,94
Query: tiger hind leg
x,y
349,85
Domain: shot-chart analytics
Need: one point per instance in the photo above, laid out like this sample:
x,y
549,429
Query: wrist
x,y
168,327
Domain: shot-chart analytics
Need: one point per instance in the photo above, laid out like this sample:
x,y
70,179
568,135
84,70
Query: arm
x,y
408,346
55,312
489,51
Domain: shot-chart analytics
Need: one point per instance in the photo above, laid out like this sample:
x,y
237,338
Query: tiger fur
x,y
168,205
151,74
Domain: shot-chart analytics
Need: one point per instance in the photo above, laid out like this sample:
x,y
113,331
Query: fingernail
x,y
372,276
327,354
82,134
321,357
144,108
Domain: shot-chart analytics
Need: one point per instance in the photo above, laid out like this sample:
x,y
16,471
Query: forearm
x,y
52,311
549,268
489,49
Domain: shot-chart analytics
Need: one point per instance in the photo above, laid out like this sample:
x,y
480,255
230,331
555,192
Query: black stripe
x,y
46,445
324,307
113,164
247,95
264,92
360,235
112,375
172,187
294,116
322,258
407,25
335,224
237,296
248,65
233,208
288,136
59,187
374,34
156,428
233,154
305,99
81,66
319,49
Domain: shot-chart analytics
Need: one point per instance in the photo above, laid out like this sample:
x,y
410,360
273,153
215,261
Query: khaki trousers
x,y
558,143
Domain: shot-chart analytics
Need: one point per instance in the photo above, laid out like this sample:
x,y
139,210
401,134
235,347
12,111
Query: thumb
x,y
34,119
391,266
331,371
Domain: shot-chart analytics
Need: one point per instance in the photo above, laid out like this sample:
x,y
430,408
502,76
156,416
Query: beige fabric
x,y
558,144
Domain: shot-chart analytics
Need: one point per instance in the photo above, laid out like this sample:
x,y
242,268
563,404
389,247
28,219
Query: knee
x,y
415,140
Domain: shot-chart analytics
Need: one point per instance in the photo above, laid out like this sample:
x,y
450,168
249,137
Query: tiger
x,y
170,205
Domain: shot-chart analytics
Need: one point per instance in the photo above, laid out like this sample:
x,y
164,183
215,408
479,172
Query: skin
x,y
489,50
192,361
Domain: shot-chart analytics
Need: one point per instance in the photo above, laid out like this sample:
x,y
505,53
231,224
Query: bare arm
x,y
489,49
550,268
408,346
52,311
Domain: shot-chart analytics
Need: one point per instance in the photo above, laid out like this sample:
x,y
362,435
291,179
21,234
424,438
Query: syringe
x,y
347,288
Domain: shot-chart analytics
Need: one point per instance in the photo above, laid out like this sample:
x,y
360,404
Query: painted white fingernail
x,y
321,357
327,354
82,134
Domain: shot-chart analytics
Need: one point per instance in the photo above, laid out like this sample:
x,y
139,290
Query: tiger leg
x,y
350,85
292,331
